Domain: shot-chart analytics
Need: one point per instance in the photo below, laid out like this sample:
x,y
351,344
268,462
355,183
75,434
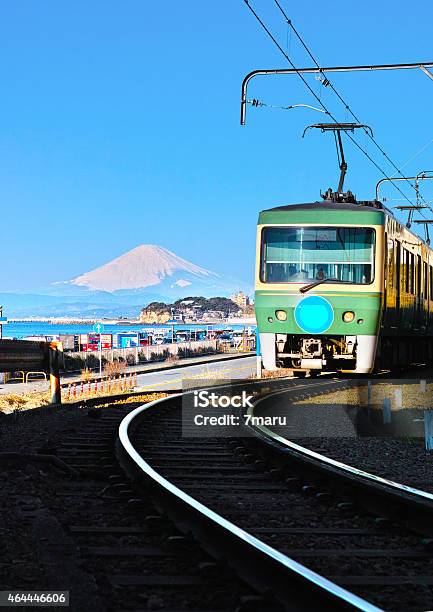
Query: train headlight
x,y
348,316
281,315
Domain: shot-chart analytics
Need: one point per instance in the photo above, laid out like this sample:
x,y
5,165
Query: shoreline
x,y
62,321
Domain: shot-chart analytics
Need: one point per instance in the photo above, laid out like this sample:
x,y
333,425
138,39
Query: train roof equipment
x,y
336,128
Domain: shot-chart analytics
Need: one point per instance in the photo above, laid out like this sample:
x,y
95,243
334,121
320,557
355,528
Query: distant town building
x,y
240,299
177,315
210,315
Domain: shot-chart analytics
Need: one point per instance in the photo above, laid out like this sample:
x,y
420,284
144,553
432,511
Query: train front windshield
x,y
307,254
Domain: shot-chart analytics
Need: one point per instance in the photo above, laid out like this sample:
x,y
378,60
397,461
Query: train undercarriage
x,y
318,353
350,354
315,353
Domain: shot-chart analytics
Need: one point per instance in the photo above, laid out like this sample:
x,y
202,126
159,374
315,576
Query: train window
x,y
390,262
398,270
412,273
418,274
306,254
406,265
425,280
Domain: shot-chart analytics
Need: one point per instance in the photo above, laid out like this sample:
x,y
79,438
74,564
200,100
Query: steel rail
x,y
402,501
368,68
259,564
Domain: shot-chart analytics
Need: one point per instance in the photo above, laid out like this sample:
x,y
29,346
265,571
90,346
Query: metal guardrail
x,y
29,356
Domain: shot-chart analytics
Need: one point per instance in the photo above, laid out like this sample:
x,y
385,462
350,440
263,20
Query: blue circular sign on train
x,y
314,314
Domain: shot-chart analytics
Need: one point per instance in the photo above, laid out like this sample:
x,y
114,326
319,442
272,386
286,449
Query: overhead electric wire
x,y
255,102
272,37
342,100
423,148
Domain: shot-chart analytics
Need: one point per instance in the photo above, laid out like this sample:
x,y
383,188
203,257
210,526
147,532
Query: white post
x,y
423,386
259,366
398,397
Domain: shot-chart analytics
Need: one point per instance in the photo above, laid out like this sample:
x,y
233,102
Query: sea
x,y
22,329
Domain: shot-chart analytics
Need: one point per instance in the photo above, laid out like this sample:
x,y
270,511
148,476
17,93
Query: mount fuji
x,y
123,286
145,266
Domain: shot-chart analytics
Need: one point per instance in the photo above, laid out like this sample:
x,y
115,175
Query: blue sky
x,y
120,126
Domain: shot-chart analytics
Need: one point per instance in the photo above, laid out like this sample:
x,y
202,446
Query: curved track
x,y
245,523
243,502
316,533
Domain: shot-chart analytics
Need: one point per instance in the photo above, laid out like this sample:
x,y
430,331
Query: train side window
x,y
406,270
398,274
390,262
425,280
412,273
418,274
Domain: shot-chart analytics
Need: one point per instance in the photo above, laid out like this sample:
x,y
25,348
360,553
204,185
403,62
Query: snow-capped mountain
x,y
123,286
145,266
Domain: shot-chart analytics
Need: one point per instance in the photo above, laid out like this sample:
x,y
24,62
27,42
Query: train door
x,y
389,306
417,291
430,295
424,303
385,309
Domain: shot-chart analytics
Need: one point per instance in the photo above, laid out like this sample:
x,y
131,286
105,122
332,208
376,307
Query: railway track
x,y
157,520
102,539
306,532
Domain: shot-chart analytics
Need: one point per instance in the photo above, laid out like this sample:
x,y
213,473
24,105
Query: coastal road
x,y
163,379
209,372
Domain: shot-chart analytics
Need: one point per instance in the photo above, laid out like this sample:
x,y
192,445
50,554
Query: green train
x,y
341,287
